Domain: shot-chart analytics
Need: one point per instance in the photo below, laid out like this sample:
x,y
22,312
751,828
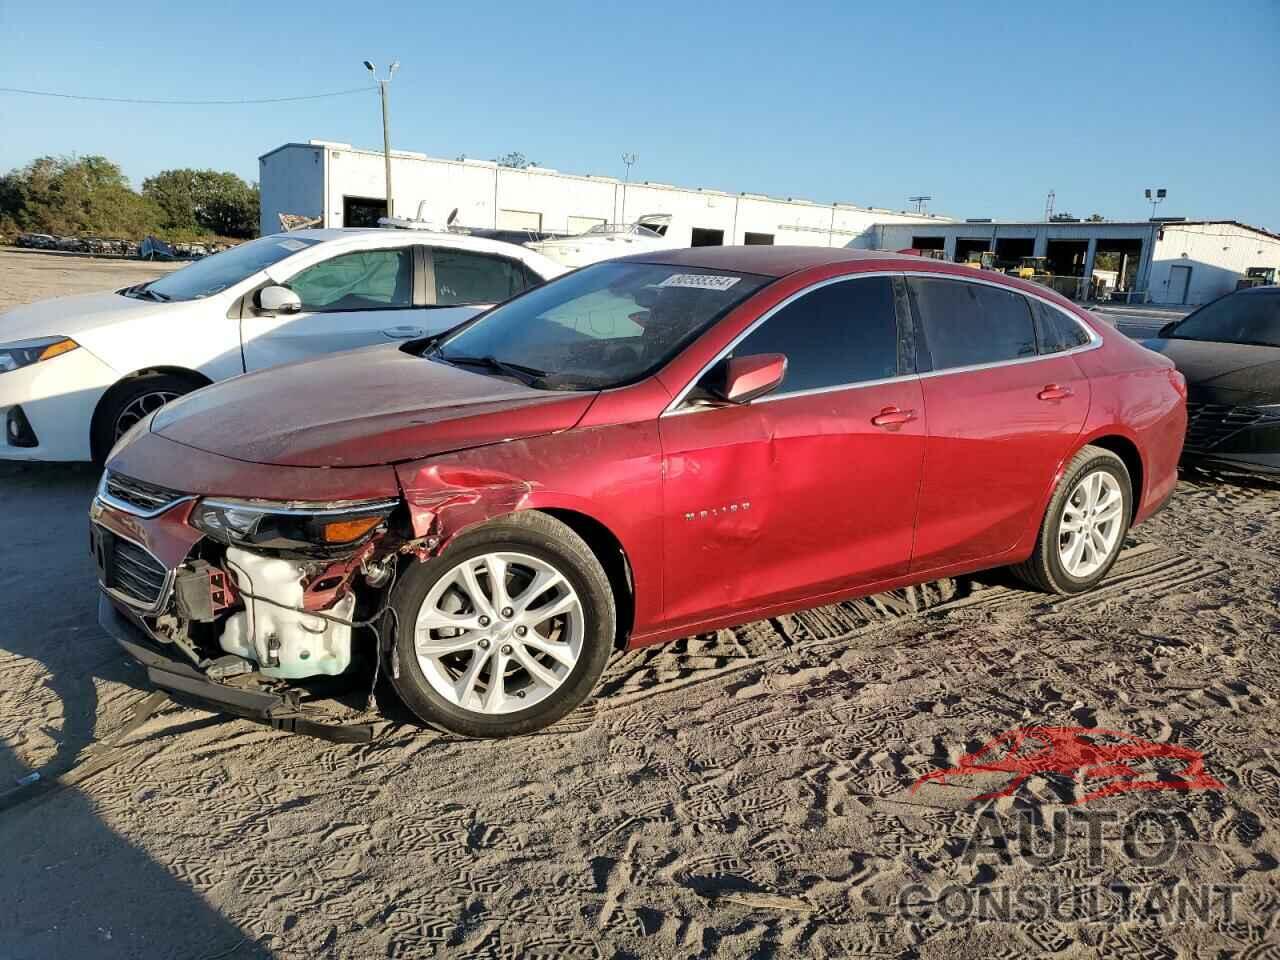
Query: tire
x,y
141,396
1047,569
529,544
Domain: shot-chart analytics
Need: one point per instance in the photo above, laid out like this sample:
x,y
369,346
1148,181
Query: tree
x,y
1096,218
205,200
77,196
516,160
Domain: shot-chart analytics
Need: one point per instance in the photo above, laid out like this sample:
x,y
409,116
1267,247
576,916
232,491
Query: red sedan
x,y
641,450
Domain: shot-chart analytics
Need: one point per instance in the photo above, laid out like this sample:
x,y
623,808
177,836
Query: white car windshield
x,y
214,274
602,326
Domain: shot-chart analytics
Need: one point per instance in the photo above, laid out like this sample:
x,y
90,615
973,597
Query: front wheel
x,y
1084,527
506,631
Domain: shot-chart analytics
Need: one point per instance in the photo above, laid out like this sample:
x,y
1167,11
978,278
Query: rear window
x,y
966,324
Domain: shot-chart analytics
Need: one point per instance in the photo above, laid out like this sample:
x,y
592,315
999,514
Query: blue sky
x,y
985,106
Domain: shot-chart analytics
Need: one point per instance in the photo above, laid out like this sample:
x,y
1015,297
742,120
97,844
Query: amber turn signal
x,y
56,349
344,531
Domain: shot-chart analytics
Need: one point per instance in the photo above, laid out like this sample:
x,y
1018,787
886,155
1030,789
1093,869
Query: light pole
x,y
1160,194
628,159
386,124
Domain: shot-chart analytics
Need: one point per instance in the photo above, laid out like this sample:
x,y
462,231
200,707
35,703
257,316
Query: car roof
x,y
354,236
771,261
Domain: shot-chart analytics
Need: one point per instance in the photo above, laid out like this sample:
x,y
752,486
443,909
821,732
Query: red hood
x,y
367,407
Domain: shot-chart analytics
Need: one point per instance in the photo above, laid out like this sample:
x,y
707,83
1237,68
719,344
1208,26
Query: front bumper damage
x,y
279,710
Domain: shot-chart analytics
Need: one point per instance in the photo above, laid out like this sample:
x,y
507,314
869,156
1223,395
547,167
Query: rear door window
x,y
1055,330
465,276
843,333
968,324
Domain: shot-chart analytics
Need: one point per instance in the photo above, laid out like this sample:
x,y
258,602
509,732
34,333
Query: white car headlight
x,y
23,353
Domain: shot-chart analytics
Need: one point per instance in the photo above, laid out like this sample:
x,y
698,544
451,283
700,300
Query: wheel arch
x,y
612,555
1127,450
195,376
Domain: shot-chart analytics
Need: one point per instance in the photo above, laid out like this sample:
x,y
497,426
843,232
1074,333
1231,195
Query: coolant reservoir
x,y
303,644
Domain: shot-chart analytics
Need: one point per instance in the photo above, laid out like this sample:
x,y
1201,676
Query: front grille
x,y
137,493
1209,424
130,570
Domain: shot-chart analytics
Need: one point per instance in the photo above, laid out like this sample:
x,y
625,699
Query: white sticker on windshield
x,y
293,246
699,281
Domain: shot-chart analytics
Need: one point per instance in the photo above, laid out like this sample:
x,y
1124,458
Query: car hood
x,y
373,406
1251,373
69,316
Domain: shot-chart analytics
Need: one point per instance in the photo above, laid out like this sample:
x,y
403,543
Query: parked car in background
x,y
77,372
1229,351
37,241
641,450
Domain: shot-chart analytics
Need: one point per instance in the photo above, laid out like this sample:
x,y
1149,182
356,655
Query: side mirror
x,y
275,299
1167,329
743,379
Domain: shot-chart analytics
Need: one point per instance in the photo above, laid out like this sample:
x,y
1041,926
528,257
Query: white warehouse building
x,y
1167,261
345,186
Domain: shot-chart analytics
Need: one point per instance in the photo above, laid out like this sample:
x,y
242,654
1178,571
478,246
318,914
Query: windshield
x,y
603,326
214,274
1252,318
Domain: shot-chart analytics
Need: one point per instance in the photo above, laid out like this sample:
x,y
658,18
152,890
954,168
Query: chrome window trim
x,y
675,408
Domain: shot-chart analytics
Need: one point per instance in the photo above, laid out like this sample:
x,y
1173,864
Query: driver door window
x,y
348,301
365,280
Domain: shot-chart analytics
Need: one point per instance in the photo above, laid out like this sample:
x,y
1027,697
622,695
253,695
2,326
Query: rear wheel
x,y
132,401
1084,527
505,632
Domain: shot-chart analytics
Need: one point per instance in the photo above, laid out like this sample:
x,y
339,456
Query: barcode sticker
x,y
699,281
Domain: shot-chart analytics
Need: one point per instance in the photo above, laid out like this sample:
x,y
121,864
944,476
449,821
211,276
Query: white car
x,y
77,372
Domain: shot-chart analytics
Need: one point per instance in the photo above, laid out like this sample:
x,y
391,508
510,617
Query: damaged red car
x,y
644,449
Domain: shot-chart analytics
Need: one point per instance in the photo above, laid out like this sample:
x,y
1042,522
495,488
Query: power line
x,y
189,103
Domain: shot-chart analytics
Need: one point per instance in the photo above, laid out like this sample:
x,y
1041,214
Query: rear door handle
x,y
893,417
402,333
1054,392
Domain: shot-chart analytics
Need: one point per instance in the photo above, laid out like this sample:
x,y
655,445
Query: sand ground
x,y
737,794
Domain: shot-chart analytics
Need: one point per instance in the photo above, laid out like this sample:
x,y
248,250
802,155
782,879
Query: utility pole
x,y
386,124
920,203
628,159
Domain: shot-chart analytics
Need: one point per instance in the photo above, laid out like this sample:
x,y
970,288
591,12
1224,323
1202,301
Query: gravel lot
x,y
745,793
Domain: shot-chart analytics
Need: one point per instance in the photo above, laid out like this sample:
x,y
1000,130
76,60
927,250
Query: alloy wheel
x,y
1091,524
499,632
141,407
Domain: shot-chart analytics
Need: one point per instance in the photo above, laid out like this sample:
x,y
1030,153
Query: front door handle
x,y
1054,392
402,333
893,417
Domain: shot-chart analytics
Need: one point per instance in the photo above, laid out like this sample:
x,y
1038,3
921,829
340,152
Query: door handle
x,y
402,333
1055,392
893,417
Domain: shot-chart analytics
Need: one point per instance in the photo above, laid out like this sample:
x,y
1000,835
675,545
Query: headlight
x,y
308,528
23,353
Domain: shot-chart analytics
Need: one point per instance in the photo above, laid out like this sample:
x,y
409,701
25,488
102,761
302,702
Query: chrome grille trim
x,y
138,497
